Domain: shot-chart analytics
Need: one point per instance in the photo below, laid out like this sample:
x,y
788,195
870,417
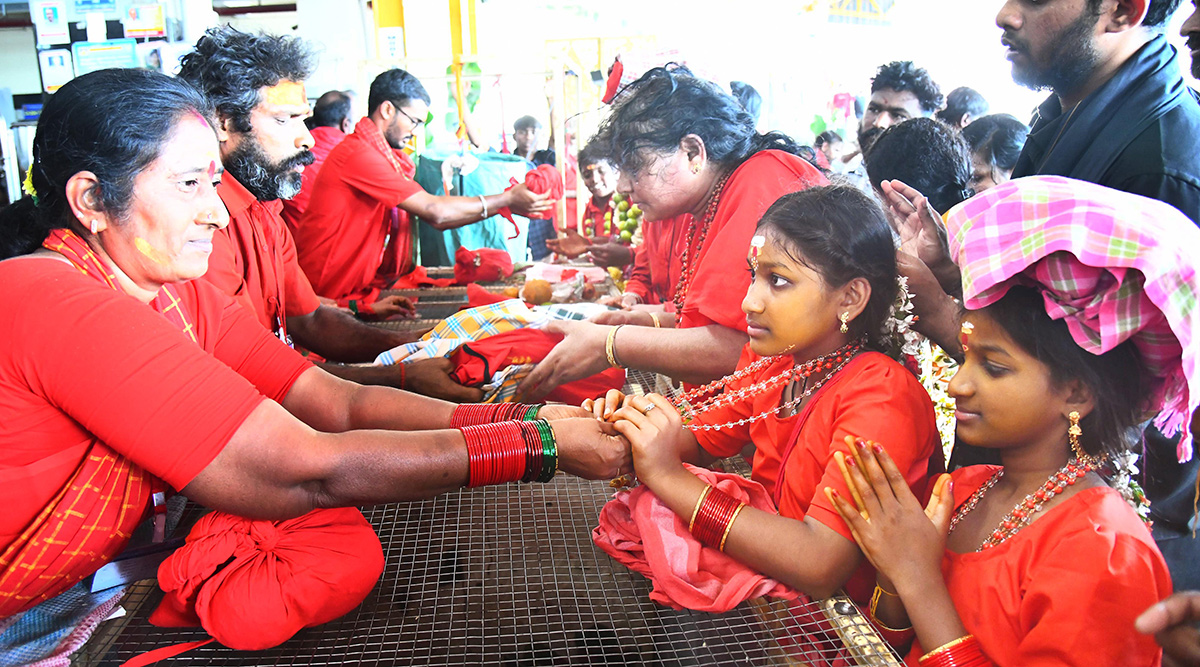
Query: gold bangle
x,y
736,512
946,647
610,347
879,590
654,316
703,495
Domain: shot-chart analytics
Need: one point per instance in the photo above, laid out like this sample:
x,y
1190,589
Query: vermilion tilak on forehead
x,y
212,169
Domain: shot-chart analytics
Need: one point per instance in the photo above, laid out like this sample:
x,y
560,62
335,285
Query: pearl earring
x,y
95,226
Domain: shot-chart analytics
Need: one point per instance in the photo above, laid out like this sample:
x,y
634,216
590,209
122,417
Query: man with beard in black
x,y
1120,113
899,91
256,84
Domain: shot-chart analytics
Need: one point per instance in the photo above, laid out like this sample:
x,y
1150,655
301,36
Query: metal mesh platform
x,y
509,576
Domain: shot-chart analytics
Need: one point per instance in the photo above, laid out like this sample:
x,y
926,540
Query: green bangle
x,y
531,413
549,451
354,306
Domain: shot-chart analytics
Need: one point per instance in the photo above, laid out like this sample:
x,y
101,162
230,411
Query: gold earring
x,y
845,318
1073,433
695,169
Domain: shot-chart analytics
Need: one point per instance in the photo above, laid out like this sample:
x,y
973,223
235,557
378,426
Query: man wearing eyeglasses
x,y
356,235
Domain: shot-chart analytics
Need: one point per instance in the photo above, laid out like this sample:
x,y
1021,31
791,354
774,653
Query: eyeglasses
x,y
416,123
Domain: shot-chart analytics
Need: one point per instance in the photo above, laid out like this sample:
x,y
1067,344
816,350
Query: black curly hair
x,y
665,105
230,66
902,75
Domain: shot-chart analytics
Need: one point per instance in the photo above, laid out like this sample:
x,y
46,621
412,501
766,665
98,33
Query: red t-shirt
x,y
656,264
1064,590
324,139
81,362
873,397
254,260
341,237
721,279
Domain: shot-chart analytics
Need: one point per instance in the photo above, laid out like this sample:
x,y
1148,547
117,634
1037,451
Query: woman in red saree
x,y
684,148
120,376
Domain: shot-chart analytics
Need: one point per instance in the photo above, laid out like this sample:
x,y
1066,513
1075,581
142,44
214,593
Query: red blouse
x,y
872,397
82,363
721,278
254,260
1065,590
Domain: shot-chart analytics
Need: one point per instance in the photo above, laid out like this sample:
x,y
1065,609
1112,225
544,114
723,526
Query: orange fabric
x,y
721,279
872,397
88,430
643,534
353,217
254,260
656,264
253,584
1064,590
324,140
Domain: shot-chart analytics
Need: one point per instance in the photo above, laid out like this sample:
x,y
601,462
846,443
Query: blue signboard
x,y
91,56
84,6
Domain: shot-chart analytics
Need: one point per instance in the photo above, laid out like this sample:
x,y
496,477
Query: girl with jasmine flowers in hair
x,y
1081,305
822,280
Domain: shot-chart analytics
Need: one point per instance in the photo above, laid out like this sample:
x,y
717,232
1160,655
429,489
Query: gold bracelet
x,y
736,512
879,590
610,347
703,495
946,647
654,316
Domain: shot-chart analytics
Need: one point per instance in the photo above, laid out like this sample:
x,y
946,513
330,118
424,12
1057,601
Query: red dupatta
x,y
94,514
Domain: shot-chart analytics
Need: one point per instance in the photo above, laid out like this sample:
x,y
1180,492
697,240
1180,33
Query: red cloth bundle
x,y
648,537
545,178
253,584
478,296
477,361
484,264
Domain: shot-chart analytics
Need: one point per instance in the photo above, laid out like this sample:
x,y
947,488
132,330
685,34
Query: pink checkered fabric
x,y
1114,265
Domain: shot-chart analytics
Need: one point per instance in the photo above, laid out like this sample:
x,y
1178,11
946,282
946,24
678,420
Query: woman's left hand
x,y
903,541
578,355
655,430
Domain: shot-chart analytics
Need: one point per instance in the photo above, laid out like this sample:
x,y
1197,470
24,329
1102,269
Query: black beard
x,y
1193,43
1069,63
267,181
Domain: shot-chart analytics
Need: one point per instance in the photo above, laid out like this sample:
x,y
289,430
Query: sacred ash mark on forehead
x,y
286,93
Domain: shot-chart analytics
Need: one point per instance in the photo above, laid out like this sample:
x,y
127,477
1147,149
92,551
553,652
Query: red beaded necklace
x,y
686,259
1022,514
830,363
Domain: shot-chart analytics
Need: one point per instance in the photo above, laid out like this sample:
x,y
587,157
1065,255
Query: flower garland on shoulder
x,y
932,366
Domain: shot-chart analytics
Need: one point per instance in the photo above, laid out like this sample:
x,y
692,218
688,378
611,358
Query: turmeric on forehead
x,y
286,93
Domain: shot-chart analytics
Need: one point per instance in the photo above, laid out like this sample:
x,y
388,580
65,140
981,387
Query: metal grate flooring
x,y
509,576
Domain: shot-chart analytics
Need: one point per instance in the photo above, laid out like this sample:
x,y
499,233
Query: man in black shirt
x,y
1119,115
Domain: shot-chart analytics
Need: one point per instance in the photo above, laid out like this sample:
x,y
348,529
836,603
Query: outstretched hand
x,y
571,244
902,540
578,355
655,431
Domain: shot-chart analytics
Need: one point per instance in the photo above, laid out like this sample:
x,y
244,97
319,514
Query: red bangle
x,y
474,414
400,384
507,451
962,652
713,517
